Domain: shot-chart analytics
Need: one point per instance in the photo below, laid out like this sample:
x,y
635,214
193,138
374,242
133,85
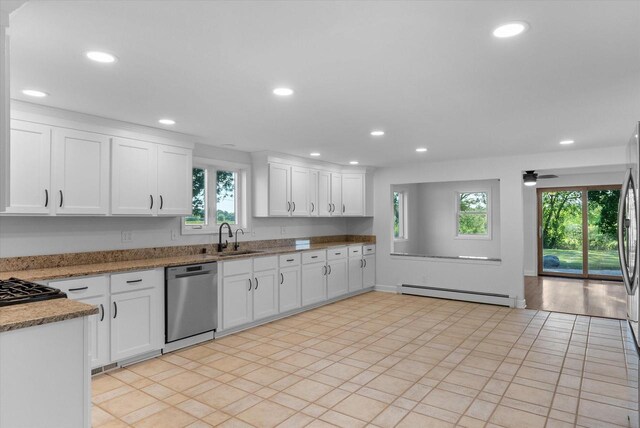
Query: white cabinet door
x,y
313,193
337,278
134,323
299,191
353,194
336,194
99,350
265,294
356,266
314,285
289,288
369,274
134,176
80,172
29,163
279,190
324,193
174,180
237,300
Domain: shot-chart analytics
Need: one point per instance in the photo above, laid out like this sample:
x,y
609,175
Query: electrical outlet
x,y
283,230
127,236
174,235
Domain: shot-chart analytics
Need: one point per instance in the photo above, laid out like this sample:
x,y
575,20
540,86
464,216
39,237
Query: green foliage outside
x,y
396,214
472,218
598,260
225,190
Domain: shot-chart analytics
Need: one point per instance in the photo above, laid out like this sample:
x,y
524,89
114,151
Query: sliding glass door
x,y
577,233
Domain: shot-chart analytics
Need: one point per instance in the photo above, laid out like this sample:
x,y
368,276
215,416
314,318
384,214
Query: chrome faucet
x,y
222,246
236,245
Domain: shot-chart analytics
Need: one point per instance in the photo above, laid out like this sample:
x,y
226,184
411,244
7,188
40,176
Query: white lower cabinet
x,y
369,271
356,266
314,283
290,288
237,300
265,294
130,313
337,272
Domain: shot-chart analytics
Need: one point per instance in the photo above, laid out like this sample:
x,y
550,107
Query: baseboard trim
x,y
386,288
530,273
463,295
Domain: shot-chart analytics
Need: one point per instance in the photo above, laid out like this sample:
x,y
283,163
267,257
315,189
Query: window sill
x,y
400,239
474,237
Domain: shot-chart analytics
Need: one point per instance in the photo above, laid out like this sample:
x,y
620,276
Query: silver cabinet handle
x,y
61,198
313,207
102,311
324,271
343,208
151,207
161,202
46,197
115,310
78,289
256,287
329,267
294,207
250,284
329,210
361,263
628,186
288,206
281,278
365,262
133,281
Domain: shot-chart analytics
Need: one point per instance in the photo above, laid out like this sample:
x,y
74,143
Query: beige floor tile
x,y
266,414
390,384
389,417
127,403
360,407
221,396
513,418
168,418
413,420
184,381
308,390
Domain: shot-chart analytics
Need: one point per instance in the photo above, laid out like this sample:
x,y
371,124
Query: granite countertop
x,y
24,315
152,263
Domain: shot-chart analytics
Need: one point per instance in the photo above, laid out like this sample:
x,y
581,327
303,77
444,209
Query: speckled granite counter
x,y
71,270
30,314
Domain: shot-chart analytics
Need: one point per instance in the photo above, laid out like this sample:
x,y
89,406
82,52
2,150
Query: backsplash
x,y
70,259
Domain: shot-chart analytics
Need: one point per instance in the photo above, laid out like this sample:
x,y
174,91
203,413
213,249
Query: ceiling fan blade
x,y
548,176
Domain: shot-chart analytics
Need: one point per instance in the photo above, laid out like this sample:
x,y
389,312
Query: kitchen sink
x,y
238,253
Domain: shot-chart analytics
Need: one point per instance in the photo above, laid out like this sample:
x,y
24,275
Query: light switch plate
x,y
127,236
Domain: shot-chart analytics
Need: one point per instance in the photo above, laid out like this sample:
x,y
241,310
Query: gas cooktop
x,y
14,291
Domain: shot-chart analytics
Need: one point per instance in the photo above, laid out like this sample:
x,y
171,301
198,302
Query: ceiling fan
x,y
531,177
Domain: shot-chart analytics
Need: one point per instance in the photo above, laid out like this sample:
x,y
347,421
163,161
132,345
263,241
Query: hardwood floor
x,y
576,296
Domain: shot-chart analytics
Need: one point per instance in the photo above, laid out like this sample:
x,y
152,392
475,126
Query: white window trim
x,y
243,178
487,236
404,220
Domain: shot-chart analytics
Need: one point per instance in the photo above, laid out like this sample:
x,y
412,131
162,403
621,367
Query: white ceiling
x,y
428,73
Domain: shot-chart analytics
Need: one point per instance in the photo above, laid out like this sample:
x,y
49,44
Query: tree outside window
x,y
473,214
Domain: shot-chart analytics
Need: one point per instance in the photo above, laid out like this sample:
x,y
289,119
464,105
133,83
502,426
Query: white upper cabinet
x,y
279,189
353,194
80,172
299,191
336,194
174,180
324,193
284,187
150,179
28,188
134,171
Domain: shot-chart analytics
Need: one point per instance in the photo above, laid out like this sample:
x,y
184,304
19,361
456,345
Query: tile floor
x,y
388,360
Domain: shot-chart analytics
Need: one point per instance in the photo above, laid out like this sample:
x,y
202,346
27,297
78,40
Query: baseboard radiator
x,y
466,295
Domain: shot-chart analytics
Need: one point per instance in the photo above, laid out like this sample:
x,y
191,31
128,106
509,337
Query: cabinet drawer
x,y
265,263
290,260
82,288
337,253
355,251
139,280
237,267
369,249
314,257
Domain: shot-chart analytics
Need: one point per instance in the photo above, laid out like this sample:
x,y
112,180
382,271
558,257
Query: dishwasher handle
x,y
185,275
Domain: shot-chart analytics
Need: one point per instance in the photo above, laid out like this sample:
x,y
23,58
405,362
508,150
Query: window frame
x,y
484,236
212,166
403,220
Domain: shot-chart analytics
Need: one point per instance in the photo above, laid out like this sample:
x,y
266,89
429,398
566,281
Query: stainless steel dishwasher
x,y
191,300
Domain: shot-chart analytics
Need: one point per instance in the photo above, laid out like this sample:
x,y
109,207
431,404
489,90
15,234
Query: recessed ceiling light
x,y
103,57
510,29
167,121
34,93
377,133
354,162
566,142
314,154
421,149
283,92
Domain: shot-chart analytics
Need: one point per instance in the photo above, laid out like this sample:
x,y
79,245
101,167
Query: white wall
x,y
504,278
437,216
531,213
410,245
